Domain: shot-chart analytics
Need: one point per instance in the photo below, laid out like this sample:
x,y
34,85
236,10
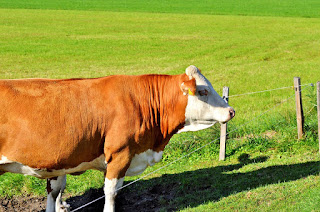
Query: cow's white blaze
x,y
203,111
141,161
8,165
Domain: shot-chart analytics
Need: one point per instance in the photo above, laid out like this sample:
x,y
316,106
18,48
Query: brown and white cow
x,y
117,124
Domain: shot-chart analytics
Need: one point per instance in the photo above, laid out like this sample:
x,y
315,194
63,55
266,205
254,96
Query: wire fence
x,y
269,90
205,145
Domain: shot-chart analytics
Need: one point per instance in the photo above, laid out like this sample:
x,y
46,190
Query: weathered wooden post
x,y
300,118
223,129
318,108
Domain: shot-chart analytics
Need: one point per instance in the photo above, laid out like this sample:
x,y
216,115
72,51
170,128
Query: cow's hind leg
x,y
55,187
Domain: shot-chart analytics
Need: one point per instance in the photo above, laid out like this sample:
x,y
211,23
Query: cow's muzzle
x,y
231,114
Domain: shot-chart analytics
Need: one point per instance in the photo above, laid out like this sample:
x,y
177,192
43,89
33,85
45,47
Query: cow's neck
x,y
164,110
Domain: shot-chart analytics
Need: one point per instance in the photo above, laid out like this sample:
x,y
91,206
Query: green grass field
x,y
304,8
248,46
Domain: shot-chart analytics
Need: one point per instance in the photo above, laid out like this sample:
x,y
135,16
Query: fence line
x,y
188,154
263,91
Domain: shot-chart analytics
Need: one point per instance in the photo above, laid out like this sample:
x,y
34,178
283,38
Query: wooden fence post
x,y
300,118
318,108
223,129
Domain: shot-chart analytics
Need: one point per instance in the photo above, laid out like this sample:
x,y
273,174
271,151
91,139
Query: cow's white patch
x,y
7,165
54,203
4,160
58,184
194,127
110,191
62,206
50,203
111,186
141,161
195,112
138,164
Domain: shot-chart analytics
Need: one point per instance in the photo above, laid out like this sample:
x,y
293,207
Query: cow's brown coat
x,y
55,124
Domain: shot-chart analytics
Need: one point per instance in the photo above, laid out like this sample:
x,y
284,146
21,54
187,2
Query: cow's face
x,y
205,107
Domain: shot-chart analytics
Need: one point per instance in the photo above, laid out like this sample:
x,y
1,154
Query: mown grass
x,y
308,8
246,53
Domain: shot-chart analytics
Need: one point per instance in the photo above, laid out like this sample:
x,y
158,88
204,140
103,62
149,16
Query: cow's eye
x,y
203,92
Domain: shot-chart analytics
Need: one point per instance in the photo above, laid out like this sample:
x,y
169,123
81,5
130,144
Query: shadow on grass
x,y
172,192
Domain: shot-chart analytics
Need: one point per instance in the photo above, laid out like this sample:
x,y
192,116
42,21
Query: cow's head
x,y
205,107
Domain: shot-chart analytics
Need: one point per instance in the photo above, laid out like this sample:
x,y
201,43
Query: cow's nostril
x,y
232,113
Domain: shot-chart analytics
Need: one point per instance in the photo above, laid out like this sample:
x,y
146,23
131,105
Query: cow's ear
x,y
189,87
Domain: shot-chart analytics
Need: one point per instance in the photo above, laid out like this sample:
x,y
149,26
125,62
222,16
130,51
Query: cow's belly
x,y
7,165
141,161
138,164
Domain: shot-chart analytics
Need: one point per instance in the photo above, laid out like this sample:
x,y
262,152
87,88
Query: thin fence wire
x,y
188,154
263,91
310,109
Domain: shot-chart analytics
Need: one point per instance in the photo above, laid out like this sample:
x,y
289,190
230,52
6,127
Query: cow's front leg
x,y
116,169
55,187
110,191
